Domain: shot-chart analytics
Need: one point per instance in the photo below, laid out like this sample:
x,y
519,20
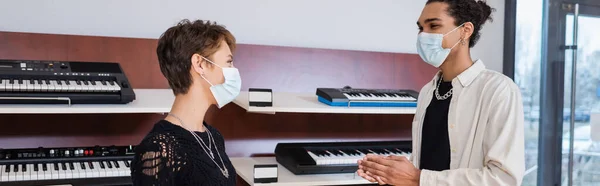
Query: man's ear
x,y
467,31
197,61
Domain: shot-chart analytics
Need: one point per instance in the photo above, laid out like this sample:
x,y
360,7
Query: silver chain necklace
x,y
437,93
223,169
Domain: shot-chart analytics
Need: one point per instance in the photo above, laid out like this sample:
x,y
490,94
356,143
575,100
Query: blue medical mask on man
x,y
430,48
230,89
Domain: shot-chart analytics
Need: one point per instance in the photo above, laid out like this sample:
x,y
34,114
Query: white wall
x,y
369,25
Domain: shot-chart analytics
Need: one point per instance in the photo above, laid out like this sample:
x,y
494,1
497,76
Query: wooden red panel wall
x,y
284,69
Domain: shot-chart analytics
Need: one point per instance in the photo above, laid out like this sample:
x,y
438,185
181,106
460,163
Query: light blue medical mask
x,y
230,89
430,47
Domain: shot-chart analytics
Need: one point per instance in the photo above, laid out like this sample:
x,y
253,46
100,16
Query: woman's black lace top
x,y
170,155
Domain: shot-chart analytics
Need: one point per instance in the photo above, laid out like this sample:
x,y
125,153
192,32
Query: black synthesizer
x,y
98,165
70,82
334,157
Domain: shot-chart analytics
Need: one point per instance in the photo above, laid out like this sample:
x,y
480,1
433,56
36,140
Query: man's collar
x,y
466,77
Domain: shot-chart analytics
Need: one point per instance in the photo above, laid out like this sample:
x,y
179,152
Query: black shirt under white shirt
x,y
435,144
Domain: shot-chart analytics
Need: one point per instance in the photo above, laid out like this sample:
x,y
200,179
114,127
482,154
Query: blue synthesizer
x,y
349,97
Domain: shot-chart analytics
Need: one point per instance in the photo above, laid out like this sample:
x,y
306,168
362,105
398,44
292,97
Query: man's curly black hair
x,y
476,12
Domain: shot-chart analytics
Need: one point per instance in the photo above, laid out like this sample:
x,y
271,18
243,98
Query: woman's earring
x,y
462,41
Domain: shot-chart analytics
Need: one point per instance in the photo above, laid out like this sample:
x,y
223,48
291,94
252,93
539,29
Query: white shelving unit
x,y
160,101
309,103
147,101
244,167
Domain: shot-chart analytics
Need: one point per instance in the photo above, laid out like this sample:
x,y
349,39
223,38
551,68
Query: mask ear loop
x,y
453,31
456,44
202,74
211,61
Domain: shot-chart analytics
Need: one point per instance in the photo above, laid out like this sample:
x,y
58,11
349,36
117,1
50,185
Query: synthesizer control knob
x,y
129,150
51,152
67,153
63,66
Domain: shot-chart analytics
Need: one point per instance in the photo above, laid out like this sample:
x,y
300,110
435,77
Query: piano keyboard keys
x,y
36,174
349,156
68,171
37,86
77,172
3,84
12,85
64,86
378,97
52,171
110,171
26,175
18,172
99,169
64,170
9,173
95,169
28,85
4,172
124,169
101,87
73,87
21,86
57,85
29,174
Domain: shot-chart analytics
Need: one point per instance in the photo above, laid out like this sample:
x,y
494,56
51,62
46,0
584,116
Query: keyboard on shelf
x,y
349,97
67,82
98,165
334,157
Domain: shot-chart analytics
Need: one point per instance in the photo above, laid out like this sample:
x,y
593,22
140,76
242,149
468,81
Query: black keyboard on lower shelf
x,y
98,165
334,157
